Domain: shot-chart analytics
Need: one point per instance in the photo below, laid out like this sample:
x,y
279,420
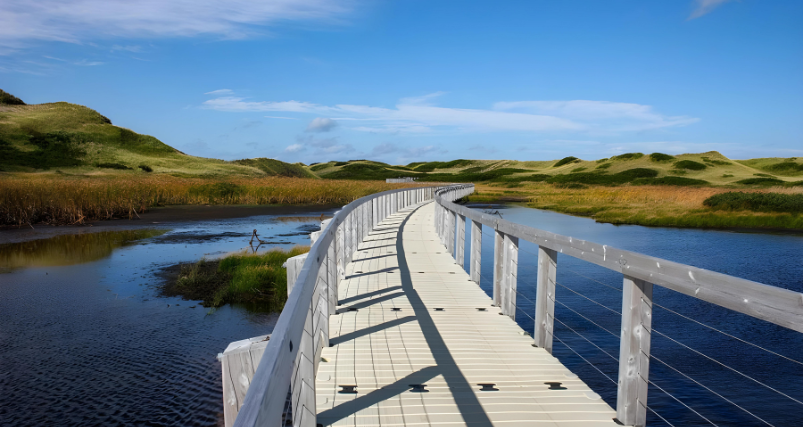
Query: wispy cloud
x,y
417,115
220,92
282,117
77,21
129,48
703,7
321,124
87,63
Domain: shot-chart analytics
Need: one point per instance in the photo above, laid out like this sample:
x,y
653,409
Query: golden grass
x,y
55,199
644,205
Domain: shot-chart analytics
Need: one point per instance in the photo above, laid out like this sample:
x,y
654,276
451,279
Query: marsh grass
x,y
63,199
240,278
672,206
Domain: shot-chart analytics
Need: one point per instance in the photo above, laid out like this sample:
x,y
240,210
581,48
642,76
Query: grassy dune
x,y
61,199
75,139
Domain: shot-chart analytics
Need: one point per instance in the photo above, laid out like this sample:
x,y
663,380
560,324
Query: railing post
x,y
475,258
545,298
511,260
634,352
460,248
499,267
450,224
302,385
332,271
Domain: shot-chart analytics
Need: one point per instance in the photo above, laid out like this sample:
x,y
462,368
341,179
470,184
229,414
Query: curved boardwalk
x,y
409,315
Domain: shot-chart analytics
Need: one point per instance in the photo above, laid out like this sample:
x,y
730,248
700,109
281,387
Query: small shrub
x,y
661,157
146,168
628,156
604,166
564,161
119,166
9,99
757,202
760,181
765,175
571,185
727,175
690,165
785,167
580,169
670,180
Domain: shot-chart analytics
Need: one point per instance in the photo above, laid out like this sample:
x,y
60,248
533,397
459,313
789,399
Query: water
x,y
773,259
85,338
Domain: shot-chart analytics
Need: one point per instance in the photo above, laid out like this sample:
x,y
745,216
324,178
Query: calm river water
x,y
85,338
587,332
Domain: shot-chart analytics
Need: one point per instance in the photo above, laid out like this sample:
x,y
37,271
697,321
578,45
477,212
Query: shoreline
x,y
159,217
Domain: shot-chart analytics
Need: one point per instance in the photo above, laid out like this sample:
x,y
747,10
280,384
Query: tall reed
x,y
56,199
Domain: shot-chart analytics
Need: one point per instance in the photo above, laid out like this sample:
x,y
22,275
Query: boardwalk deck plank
x,y
389,335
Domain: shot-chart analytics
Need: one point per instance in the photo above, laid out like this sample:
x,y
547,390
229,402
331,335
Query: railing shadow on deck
x,y
291,357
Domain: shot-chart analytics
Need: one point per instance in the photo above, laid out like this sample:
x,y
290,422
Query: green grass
x,y
273,167
9,99
564,161
689,165
628,156
757,202
760,181
661,157
240,278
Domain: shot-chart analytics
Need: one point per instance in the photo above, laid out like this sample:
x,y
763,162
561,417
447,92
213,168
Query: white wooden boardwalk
x,y
410,315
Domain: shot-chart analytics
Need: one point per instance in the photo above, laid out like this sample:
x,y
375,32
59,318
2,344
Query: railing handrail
x,y
640,272
776,305
266,397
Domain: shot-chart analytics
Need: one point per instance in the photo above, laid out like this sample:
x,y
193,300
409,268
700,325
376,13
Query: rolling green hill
x,y
711,168
76,139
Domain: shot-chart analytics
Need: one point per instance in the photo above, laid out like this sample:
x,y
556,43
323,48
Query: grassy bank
x,y
668,206
62,199
242,278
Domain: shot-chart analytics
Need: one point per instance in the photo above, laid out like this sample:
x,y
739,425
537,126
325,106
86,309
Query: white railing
x,y
283,386
639,273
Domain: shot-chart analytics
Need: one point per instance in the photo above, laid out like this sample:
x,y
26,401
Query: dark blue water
x,y
86,340
587,333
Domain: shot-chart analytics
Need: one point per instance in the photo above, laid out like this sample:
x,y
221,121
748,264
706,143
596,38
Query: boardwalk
x,y
410,316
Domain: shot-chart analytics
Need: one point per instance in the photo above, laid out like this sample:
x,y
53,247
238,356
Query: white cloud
x,y
415,115
220,92
321,124
611,116
86,63
76,21
329,146
129,48
295,148
704,7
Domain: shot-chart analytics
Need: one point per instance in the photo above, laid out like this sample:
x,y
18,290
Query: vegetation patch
x,y
760,181
670,180
580,169
596,178
689,164
9,99
242,278
661,157
565,161
273,167
628,156
785,168
118,166
431,166
145,168
757,202
604,166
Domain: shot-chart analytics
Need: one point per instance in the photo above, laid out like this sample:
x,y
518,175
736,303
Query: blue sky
x,y
412,80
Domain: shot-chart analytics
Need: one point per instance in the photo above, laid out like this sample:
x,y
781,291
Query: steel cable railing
x,y
651,270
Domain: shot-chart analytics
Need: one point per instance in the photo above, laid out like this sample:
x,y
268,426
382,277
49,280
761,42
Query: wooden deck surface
x,y
410,315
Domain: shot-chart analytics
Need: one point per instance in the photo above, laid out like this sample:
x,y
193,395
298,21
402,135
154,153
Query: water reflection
x,y
69,249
